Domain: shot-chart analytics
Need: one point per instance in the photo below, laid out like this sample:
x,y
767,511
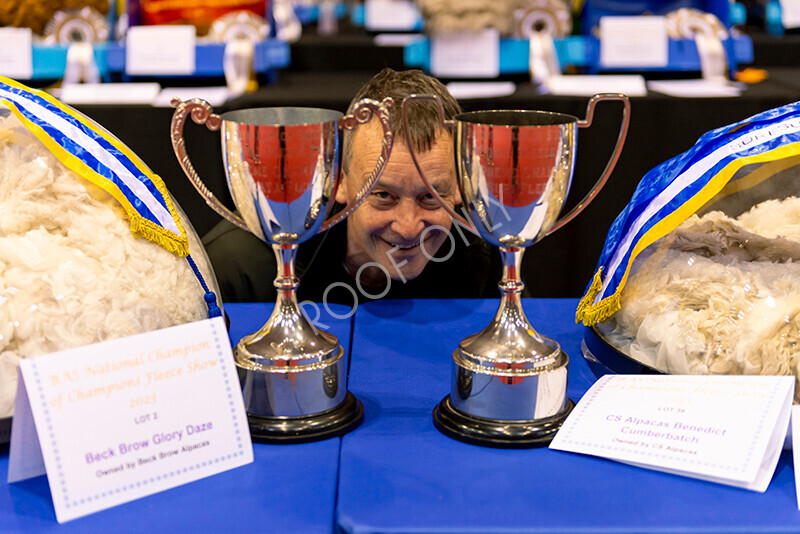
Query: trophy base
x,y
328,424
494,432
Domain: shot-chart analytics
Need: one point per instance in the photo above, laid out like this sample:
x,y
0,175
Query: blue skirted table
x,y
288,488
399,474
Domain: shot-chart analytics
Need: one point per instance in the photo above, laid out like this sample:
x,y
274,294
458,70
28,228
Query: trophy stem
x,y
286,282
293,375
510,336
512,261
509,386
511,285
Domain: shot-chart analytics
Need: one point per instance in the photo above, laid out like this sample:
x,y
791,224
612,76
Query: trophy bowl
x,y
514,171
282,169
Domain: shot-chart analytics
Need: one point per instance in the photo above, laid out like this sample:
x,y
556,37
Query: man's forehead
x,y
412,182
371,133
404,177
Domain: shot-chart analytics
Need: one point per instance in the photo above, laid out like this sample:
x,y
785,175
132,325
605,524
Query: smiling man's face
x,y
388,227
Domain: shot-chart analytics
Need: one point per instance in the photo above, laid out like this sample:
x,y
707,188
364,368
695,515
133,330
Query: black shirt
x,y
246,267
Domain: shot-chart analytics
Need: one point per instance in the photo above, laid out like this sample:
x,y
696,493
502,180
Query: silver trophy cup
x,y
514,170
282,169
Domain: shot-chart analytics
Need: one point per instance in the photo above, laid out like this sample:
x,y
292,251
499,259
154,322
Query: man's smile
x,y
401,246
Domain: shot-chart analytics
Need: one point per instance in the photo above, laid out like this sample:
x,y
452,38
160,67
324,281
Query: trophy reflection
x,y
282,169
514,170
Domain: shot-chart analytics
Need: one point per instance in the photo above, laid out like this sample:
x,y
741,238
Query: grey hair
x,y
423,117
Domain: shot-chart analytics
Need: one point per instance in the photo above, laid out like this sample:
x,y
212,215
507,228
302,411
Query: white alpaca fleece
x,y
445,16
71,272
718,296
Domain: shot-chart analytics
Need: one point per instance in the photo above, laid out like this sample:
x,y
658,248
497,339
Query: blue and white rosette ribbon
x,y
677,188
93,153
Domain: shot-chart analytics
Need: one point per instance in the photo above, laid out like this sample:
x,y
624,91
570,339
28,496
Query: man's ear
x,y
341,193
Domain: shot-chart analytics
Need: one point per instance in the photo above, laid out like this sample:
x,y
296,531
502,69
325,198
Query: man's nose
x,y
408,221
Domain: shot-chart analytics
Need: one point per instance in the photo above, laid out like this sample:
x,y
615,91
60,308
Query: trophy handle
x,y
363,112
623,132
445,124
200,111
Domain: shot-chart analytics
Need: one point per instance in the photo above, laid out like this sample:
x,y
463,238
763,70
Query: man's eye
x,y
428,200
383,195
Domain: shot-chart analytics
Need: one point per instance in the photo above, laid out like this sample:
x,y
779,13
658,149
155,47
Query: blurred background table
x,y
327,71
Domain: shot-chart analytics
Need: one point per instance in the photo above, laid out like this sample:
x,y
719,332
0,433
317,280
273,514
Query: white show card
x,y
790,13
160,50
396,39
216,96
122,419
795,431
724,429
627,42
16,53
696,88
467,90
109,93
391,15
591,84
466,55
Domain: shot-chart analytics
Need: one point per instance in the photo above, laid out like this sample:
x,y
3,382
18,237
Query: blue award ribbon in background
x,y
674,190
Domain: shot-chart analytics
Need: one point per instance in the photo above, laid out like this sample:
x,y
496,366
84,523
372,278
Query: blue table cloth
x,y
288,488
399,474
